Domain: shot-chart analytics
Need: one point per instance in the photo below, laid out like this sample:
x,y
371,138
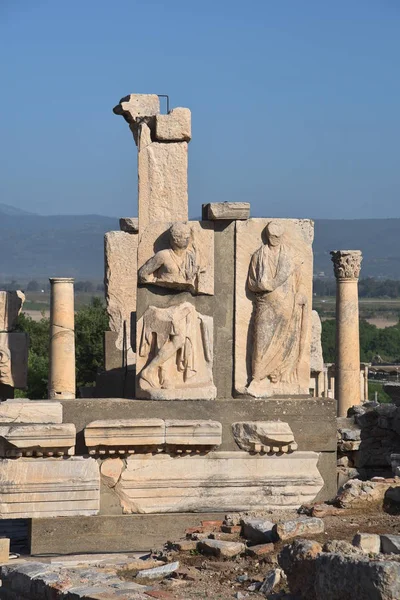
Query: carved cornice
x,y
346,264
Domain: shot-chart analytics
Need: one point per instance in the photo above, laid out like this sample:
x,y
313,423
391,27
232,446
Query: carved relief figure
x,y
175,267
5,367
281,312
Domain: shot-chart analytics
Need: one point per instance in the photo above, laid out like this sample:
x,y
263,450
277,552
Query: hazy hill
x,y
33,246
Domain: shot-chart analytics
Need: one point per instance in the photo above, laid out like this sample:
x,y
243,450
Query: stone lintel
x,y
37,439
233,211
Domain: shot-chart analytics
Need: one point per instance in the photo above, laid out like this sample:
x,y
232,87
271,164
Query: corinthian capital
x,y
346,263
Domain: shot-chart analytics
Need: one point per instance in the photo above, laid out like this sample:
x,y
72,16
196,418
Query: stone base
x,y
127,533
208,392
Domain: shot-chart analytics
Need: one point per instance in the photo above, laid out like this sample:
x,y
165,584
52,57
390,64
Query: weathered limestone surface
x,y
62,339
125,433
48,487
14,359
264,436
48,439
176,126
216,211
10,307
347,265
178,256
30,411
177,366
223,481
179,432
162,171
317,359
137,106
274,266
129,224
120,283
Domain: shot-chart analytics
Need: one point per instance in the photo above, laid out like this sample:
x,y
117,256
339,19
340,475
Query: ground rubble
x,y
322,551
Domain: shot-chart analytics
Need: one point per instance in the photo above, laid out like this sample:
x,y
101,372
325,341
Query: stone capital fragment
x,y
137,106
346,264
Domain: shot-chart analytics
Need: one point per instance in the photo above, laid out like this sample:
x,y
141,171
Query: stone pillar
x,y
62,339
162,142
347,264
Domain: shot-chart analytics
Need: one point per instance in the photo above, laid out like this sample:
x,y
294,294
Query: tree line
x,y
367,288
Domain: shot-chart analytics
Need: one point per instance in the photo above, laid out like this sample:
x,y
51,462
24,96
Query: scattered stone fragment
x,y
390,544
257,530
158,572
231,528
341,547
220,548
161,594
298,562
211,525
225,537
393,494
271,581
358,494
297,527
186,545
367,542
129,224
323,510
259,550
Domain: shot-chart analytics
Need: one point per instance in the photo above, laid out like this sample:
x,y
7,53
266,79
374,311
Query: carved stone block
x,y
271,437
38,440
220,481
48,487
200,434
235,211
10,307
129,224
137,106
174,126
14,359
124,435
30,411
121,282
178,256
175,354
273,306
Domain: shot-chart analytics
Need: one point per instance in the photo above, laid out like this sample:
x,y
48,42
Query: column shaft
x,y
62,339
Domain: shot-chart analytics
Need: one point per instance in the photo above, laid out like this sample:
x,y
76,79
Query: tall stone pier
x,y
62,339
347,265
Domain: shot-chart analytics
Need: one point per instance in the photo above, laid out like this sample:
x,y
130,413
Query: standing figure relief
x,y
280,314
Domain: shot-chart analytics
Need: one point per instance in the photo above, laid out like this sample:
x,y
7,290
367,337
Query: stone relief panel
x,y
10,307
273,306
179,256
175,354
14,359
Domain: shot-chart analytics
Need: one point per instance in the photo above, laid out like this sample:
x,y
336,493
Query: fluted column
x,y
347,264
62,339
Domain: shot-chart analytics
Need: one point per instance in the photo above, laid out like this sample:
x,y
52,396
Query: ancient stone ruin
x,y
214,397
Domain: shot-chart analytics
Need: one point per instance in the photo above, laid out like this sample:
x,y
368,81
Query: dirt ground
x,y
200,577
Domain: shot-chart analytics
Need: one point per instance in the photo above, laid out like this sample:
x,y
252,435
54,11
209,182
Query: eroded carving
x,y
5,367
175,353
179,266
346,263
282,311
264,437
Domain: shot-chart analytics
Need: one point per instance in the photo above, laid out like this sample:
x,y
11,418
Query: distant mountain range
x,y
37,247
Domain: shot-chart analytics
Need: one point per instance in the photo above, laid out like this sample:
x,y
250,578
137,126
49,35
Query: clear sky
x,y
295,104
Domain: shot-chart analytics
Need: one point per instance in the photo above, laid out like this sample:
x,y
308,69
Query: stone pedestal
x,y
347,264
62,339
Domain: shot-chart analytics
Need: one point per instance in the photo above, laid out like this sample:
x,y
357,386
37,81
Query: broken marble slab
x,y
49,487
202,435
271,437
20,410
220,481
231,211
124,435
10,307
38,440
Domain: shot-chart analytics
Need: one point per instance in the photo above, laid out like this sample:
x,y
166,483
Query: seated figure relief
x,y
176,267
280,314
5,367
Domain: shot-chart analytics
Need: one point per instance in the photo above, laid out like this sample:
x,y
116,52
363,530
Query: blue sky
x,y
295,104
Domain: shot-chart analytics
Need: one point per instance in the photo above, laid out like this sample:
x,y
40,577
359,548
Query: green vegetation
x,y
381,396
90,323
373,341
